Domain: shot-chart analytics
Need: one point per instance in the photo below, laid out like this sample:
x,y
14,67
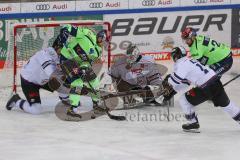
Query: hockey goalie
x,y
136,71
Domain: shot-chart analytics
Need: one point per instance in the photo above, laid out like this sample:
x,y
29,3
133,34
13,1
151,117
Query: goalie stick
x,y
111,116
61,109
128,93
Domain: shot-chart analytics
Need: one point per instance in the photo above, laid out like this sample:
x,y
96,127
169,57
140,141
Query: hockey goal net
x,y
28,38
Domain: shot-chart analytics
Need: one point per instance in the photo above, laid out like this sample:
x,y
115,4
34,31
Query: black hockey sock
x,y
191,117
21,104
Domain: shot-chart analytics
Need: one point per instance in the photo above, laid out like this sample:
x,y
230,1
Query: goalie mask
x,y
132,54
178,52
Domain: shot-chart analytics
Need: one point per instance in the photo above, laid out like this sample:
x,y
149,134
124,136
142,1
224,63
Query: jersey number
x,y
213,42
199,65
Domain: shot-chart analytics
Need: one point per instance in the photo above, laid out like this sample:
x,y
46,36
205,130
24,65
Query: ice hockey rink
x,y
45,137
146,134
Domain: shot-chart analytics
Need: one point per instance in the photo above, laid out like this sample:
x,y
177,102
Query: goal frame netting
x,y
17,26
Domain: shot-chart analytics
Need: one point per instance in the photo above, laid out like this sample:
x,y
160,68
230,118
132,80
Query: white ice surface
x,y
45,137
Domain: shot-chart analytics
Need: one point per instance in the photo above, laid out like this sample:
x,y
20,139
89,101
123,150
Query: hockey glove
x,y
80,90
168,96
54,83
87,74
64,34
168,91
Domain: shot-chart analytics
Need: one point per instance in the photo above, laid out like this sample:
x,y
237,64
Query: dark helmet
x,y
102,36
188,32
178,52
57,43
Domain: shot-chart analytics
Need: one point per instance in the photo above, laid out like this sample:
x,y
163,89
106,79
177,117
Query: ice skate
x,y
12,101
98,109
191,127
71,113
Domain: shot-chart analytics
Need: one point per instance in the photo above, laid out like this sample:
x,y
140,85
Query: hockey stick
x,y
114,117
111,116
237,76
128,93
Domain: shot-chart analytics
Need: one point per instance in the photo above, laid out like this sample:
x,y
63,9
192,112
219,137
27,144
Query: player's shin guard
x,y
34,108
192,125
187,108
233,111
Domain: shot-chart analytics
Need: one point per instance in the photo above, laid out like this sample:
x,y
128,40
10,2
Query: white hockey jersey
x,y
189,71
40,66
142,73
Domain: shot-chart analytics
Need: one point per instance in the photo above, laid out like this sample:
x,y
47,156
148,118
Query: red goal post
x,y
25,38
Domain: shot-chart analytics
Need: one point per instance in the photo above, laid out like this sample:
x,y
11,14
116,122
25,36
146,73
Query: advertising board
x,y
9,8
159,32
55,6
90,5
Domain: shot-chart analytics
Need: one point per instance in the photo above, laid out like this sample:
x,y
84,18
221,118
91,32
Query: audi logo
x,y
96,5
42,7
200,1
148,2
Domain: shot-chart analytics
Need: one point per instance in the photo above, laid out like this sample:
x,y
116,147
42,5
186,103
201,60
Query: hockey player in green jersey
x,y
217,56
83,48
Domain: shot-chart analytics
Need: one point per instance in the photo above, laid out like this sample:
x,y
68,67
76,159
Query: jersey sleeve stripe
x,y
178,77
174,80
93,44
90,40
186,82
46,63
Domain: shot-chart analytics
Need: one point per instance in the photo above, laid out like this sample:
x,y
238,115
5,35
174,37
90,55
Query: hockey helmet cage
x,y
178,52
132,50
132,54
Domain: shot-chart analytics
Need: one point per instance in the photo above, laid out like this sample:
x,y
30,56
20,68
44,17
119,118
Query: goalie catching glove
x,y
168,91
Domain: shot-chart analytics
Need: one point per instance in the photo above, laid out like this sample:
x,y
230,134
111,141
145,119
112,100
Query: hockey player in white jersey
x,y
136,71
35,75
208,87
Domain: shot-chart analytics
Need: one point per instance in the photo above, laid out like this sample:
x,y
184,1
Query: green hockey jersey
x,y
208,50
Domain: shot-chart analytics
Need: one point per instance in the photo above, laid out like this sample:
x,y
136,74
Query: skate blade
x,y
192,130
